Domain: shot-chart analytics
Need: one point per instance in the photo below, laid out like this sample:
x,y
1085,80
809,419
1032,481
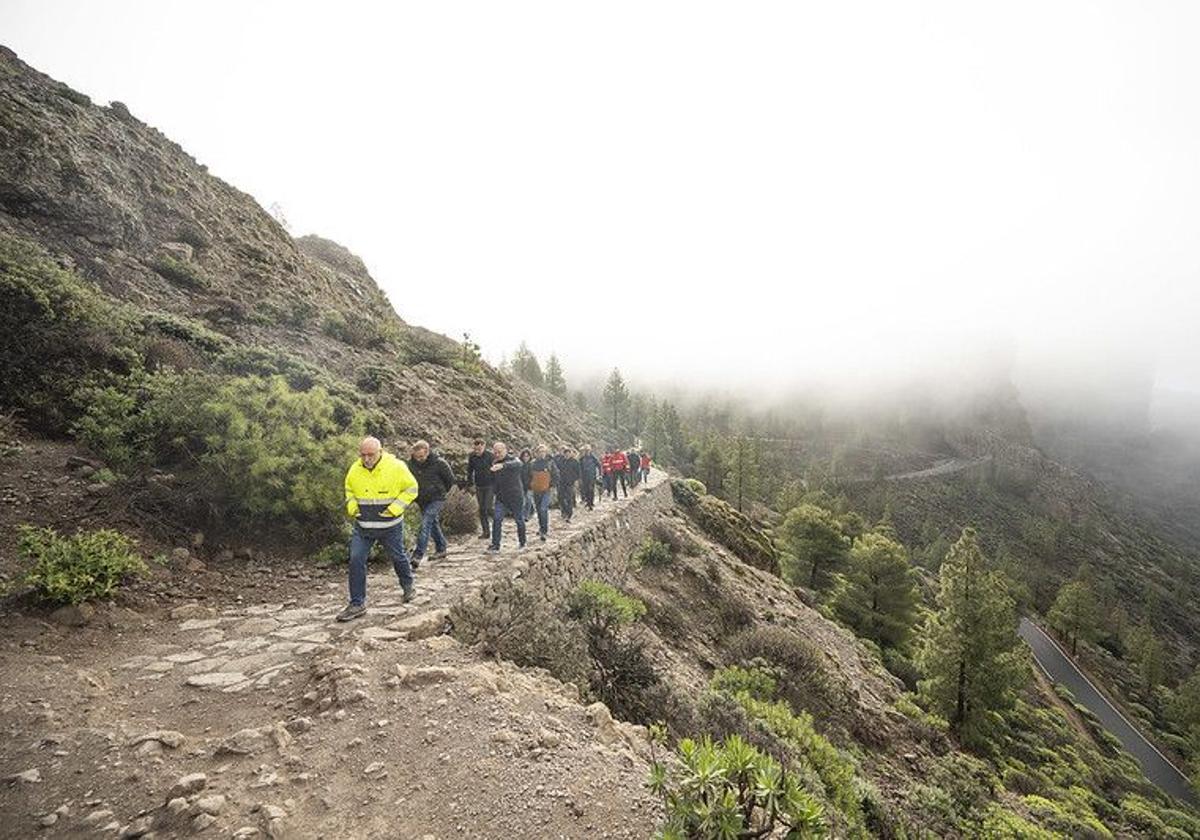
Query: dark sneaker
x,y
542,537
351,612
415,562
485,536
409,594
493,549
438,555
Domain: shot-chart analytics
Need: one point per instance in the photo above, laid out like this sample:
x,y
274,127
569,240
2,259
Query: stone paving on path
x,y
254,647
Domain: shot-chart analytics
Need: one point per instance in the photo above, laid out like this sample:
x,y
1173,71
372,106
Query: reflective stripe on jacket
x,y
377,497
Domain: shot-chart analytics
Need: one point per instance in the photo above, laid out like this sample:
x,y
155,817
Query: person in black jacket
x,y
434,480
525,457
589,470
635,467
479,476
510,493
568,474
542,475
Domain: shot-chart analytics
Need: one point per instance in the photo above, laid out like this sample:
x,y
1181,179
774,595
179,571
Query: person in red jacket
x,y
645,466
620,464
606,472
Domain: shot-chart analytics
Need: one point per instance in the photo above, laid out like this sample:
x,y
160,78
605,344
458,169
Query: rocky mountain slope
x,y
129,212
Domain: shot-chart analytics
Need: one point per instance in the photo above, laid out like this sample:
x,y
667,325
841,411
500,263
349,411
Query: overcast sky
x,y
707,192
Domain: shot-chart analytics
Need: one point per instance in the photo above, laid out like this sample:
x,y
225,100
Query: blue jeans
x,y
541,502
528,505
498,518
361,541
430,525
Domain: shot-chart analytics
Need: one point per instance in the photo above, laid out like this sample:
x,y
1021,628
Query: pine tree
x,y
676,436
1075,613
555,383
745,475
971,655
879,596
657,440
711,468
812,540
1147,651
525,366
616,398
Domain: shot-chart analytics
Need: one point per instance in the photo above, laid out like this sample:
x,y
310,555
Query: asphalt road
x,y
1059,667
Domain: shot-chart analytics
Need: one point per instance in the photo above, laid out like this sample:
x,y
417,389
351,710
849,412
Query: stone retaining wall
x,y
547,575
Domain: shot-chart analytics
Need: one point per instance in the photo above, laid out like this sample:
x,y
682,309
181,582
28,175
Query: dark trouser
x,y
615,478
541,503
566,498
486,497
515,509
361,541
587,489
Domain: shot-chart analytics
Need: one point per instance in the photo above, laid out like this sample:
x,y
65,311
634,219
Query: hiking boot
x,y
438,555
542,537
493,549
351,612
415,562
409,594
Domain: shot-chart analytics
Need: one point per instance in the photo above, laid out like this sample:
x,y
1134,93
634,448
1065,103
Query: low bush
x,y
185,274
257,451
803,678
696,486
461,513
621,674
264,361
87,565
652,552
418,346
357,331
371,378
57,330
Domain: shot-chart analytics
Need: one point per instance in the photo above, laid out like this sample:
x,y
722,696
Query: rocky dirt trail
x,y
257,717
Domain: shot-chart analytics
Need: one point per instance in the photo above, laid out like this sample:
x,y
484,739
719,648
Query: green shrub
x,y
68,570
186,274
1001,824
257,451
803,679
187,330
418,346
621,675
357,330
57,330
371,378
731,790
758,681
333,554
461,513
696,486
652,552
265,361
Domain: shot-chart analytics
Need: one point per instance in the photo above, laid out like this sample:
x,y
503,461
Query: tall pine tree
x,y
525,366
616,398
555,382
879,596
813,542
971,655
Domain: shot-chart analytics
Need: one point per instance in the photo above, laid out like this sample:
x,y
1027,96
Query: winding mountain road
x,y
1057,665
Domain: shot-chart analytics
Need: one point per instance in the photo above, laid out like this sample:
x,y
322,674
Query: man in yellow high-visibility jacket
x,y
379,486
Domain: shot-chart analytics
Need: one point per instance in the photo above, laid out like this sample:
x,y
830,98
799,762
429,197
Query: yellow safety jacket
x,y
376,497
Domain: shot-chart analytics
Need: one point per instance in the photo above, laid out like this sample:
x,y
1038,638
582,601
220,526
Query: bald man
x,y
379,486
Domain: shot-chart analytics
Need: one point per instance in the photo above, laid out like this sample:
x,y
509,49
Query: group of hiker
x,y
380,485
